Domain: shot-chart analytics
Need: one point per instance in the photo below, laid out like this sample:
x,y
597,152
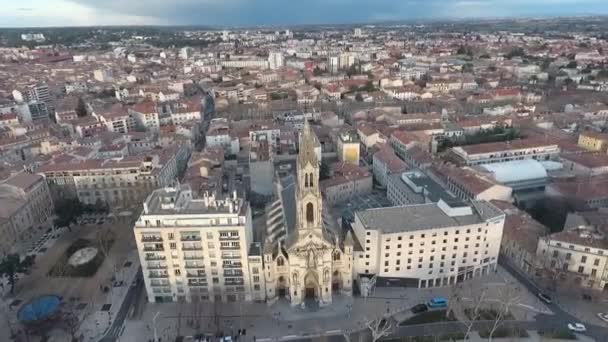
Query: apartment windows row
x,y
425,235
422,251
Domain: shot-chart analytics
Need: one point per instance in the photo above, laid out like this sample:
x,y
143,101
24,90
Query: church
x,y
306,261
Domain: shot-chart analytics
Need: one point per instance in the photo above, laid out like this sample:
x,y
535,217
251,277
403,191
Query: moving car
x,y
577,327
437,302
544,298
419,308
603,316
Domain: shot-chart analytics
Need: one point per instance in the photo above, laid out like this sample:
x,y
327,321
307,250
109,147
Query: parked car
x,y
419,308
544,298
437,302
587,297
603,316
577,327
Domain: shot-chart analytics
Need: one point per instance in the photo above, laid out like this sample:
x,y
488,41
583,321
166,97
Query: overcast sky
x,y
25,13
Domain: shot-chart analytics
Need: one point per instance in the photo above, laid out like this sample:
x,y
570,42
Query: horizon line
x,y
362,23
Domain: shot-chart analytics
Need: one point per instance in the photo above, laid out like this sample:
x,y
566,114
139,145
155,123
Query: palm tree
x,y
12,264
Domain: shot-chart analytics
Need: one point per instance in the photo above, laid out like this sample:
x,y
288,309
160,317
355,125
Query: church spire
x,y
307,147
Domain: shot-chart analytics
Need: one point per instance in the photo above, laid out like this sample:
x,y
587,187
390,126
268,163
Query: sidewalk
x,y
98,319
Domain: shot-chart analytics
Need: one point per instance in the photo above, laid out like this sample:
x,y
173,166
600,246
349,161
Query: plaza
x,y
346,314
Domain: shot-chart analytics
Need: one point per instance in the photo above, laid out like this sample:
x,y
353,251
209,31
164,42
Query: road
x,y
543,322
560,318
114,331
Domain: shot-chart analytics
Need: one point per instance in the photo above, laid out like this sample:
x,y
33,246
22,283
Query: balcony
x,y
151,239
156,257
198,284
193,257
156,267
230,248
230,237
194,266
231,256
233,274
234,283
190,238
154,249
233,265
196,275
192,248
158,275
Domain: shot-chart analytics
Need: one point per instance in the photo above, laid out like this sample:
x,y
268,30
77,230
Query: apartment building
x,y
348,148
146,115
116,182
25,206
347,180
579,254
593,141
428,245
194,249
385,163
539,149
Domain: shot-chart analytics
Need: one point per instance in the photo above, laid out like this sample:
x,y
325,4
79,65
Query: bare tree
x,y
508,297
72,320
475,313
555,265
379,328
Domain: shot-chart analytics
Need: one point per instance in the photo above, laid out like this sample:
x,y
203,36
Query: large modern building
x,y
428,245
195,249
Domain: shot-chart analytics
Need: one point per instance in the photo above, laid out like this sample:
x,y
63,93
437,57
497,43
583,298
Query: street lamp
x,y
154,325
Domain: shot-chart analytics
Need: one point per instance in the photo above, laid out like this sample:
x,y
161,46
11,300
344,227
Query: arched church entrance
x,y
311,286
336,282
282,287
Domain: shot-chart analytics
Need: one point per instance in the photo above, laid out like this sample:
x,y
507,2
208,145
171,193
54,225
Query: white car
x,y
576,327
603,316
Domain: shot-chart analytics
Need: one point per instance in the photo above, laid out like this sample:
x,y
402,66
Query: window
x,y
596,262
173,245
256,279
280,261
593,272
581,269
178,272
583,259
310,215
386,263
170,235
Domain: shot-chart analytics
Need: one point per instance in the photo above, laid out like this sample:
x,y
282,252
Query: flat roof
x,y
423,216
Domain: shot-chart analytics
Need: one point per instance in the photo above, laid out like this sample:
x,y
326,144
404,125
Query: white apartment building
x,y
275,60
538,149
581,254
198,249
146,115
428,245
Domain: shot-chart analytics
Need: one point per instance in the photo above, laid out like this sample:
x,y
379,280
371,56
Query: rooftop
x,y
426,216
179,201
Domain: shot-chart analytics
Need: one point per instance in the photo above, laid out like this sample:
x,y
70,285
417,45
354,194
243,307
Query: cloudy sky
x,y
24,13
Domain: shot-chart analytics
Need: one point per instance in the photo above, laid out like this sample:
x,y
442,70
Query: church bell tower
x,y
308,195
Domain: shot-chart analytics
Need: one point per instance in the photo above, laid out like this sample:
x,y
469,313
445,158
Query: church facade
x,y
311,263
